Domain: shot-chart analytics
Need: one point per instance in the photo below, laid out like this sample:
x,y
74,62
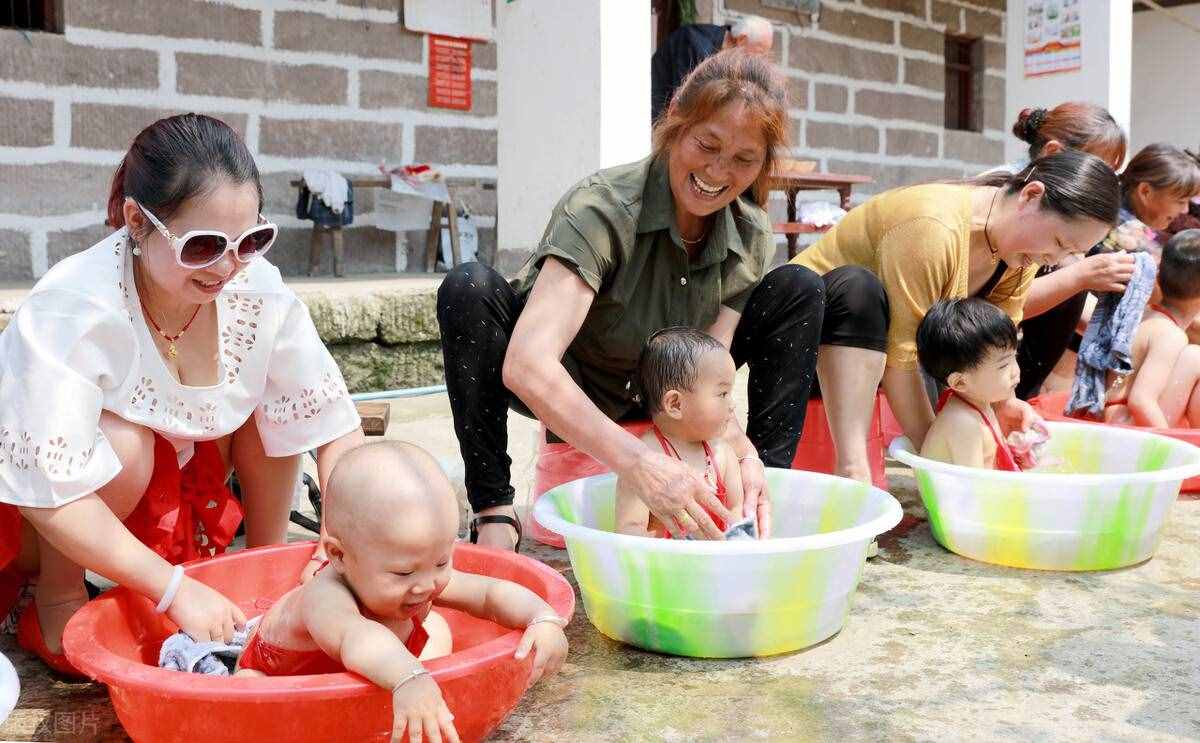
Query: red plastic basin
x,y
115,639
1052,406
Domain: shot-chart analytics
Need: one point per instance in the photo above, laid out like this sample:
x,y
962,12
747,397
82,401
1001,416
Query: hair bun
x,y
1028,123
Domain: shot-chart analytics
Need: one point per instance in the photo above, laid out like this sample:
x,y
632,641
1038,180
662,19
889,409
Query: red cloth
x,y
669,449
273,660
190,513
10,534
1005,460
183,515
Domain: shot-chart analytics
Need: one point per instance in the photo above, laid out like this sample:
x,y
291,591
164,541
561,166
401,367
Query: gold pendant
x,y
171,352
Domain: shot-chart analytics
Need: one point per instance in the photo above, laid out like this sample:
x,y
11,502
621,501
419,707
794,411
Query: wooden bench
x,y
433,237
793,176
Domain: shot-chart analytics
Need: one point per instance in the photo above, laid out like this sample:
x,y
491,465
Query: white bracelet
x,y
551,618
168,597
409,677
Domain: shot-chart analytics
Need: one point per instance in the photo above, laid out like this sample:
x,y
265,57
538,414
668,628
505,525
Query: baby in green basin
x,y
970,347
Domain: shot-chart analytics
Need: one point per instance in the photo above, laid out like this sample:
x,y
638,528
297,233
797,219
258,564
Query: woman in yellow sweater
x,y
907,248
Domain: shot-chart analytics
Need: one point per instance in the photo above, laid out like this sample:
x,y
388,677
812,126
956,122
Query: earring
x,y
137,250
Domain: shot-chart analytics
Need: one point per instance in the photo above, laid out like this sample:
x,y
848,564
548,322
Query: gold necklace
x,y
172,351
986,221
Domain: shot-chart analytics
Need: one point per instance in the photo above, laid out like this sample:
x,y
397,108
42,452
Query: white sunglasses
x,y
203,248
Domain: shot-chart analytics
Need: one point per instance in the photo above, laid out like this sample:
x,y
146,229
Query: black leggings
x,y
777,337
1044,339
856,312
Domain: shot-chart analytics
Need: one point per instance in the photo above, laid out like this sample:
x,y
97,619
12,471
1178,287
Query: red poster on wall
x,y
449,72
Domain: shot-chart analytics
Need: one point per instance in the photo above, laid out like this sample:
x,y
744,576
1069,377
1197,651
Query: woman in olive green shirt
x,y
630,250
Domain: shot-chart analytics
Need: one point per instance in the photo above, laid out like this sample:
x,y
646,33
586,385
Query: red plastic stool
x,y
816,452
562,463
891,426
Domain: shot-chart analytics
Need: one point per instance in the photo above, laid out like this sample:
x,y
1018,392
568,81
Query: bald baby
x,y
384,486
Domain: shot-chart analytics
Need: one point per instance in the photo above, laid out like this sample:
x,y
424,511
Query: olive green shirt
x,y
616,230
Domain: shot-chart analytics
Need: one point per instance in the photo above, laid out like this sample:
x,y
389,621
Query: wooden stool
x,y
374,417
314,245
433,238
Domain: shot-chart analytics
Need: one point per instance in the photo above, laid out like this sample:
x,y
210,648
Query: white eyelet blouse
x,y
79,345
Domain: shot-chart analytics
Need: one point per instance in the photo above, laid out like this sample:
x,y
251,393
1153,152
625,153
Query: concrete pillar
x,y
1105,77
574,97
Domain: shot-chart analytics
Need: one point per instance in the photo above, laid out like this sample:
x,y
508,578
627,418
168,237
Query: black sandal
x,y
512,521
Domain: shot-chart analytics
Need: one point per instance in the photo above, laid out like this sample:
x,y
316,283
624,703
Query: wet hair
x,y
956,335
176,159
1078,185
727,77
1164,167
1077,125
1179,270
670,360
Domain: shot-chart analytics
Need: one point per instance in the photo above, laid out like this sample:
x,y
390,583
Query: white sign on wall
x,y
1053,35
468,19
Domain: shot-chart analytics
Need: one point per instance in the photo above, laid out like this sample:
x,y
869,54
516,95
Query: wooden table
x,y
792,182
432,237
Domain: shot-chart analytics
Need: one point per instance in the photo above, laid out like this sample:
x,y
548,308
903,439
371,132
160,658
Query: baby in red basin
x,y
391,520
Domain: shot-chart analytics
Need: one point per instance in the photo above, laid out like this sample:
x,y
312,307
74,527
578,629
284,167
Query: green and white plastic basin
x,y
724,599
1102,505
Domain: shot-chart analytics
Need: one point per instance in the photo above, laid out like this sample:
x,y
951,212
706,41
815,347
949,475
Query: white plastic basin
x,y
1102,506
724,599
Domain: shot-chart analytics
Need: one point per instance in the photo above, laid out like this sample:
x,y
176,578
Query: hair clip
x,y
1035,120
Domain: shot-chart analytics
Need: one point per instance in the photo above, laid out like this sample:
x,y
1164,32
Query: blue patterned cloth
x,y
1109,337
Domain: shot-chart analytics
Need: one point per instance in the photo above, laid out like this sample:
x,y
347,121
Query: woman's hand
x,y
549,646
1105,272
1016,415
756,501
204,613
675,495
419,710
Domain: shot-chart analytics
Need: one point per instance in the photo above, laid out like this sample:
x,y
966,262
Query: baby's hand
x,y
549,648
418,707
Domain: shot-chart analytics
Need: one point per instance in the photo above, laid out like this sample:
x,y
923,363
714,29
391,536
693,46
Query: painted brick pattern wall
x,y
333,84
867,86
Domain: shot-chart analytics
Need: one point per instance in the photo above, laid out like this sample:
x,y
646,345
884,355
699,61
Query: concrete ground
x,y
936,647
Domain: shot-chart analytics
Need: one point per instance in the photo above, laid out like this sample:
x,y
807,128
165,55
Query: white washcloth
x,y
820,213
331,187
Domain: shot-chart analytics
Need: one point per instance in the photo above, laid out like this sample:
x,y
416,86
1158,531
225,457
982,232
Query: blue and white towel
x,y
1109,337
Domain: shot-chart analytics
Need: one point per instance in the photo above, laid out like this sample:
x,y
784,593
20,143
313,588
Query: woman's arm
x,y
533,371
329,454
756,501
905,389
89,534
1103,272
327,458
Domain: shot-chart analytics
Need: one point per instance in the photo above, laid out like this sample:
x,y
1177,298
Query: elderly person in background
x,y
690,45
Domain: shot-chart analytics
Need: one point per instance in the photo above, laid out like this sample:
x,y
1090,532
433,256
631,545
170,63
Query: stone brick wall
x,y
867,84
333,84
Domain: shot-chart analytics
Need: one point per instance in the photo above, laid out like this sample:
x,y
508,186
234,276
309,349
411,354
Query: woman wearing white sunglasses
x,y
139,373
